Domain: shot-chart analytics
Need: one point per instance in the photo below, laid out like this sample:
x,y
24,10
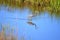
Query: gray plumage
x,y
31,23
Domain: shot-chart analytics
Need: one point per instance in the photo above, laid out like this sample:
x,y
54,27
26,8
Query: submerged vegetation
x,y
37,6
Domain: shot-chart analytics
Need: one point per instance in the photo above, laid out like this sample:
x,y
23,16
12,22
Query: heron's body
x,y
31,23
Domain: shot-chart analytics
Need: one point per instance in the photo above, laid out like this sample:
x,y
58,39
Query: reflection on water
x,y
48,29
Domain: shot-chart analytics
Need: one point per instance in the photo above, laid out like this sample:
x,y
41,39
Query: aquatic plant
x,y
4,36
36,6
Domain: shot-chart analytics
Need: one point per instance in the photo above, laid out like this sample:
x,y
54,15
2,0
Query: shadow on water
x,y
28,25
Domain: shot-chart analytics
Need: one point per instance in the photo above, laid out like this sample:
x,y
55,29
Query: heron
x,y
31,23
30,16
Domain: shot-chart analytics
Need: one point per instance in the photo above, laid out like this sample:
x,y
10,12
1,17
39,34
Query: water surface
x,y
48,28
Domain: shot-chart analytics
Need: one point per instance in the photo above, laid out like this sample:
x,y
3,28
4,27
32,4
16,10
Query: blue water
x,y
48,28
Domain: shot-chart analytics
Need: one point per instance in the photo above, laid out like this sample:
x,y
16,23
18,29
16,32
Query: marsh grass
x,y
52,6
4,35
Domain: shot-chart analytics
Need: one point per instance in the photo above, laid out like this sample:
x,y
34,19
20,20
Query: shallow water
x,y
48,28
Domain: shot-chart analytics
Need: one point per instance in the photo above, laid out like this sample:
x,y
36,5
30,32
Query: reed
x,y
52,6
